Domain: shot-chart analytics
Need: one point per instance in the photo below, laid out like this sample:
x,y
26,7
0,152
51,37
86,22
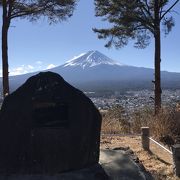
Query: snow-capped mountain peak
x,y
90,59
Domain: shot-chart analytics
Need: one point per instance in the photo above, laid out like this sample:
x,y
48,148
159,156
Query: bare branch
x,y
168,10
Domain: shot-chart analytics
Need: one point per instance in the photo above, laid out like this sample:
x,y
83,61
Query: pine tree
x,y
137,20
54,10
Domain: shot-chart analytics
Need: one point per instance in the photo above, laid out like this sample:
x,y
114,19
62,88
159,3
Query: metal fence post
x,y
176,159
145,138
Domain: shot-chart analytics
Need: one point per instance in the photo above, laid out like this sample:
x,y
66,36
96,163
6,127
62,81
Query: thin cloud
x,y
30,67
23,69
50,66
39,62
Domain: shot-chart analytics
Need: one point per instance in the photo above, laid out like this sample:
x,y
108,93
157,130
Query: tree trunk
x,y
157,60
5,27
157,65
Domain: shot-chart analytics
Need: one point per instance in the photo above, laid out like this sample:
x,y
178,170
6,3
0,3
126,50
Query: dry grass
x,y
165,123
114,121
157,162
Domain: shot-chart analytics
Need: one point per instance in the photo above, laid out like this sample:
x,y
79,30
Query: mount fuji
x,y
93,71
90,59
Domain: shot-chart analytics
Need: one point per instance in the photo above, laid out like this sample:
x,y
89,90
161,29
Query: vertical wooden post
x,y
176,159
145,138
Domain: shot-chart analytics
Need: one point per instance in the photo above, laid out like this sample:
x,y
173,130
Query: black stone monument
x,y
48,126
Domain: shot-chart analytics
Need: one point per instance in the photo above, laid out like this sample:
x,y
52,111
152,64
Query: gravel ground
x,y
158,162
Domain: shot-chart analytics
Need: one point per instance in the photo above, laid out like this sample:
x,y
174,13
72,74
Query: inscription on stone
x,y
50,114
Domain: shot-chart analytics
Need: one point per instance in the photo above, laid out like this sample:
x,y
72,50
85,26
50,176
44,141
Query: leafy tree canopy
x,y
133,19
54,10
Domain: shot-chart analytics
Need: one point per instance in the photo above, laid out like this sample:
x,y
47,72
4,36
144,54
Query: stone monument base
x,y
95,172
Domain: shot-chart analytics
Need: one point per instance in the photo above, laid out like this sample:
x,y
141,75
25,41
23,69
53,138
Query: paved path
x,y
115,165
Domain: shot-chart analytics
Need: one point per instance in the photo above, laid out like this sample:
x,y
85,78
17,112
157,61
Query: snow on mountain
x,y
90,59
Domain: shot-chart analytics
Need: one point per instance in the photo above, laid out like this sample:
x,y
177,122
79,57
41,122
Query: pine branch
x,y
34,9
168,10
148,10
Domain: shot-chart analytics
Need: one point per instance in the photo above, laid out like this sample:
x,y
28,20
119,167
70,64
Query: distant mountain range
x,y
93,71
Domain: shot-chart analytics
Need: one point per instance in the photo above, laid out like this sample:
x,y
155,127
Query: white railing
x,y
160,145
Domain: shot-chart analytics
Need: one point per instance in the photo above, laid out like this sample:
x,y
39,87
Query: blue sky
x,y
36,46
